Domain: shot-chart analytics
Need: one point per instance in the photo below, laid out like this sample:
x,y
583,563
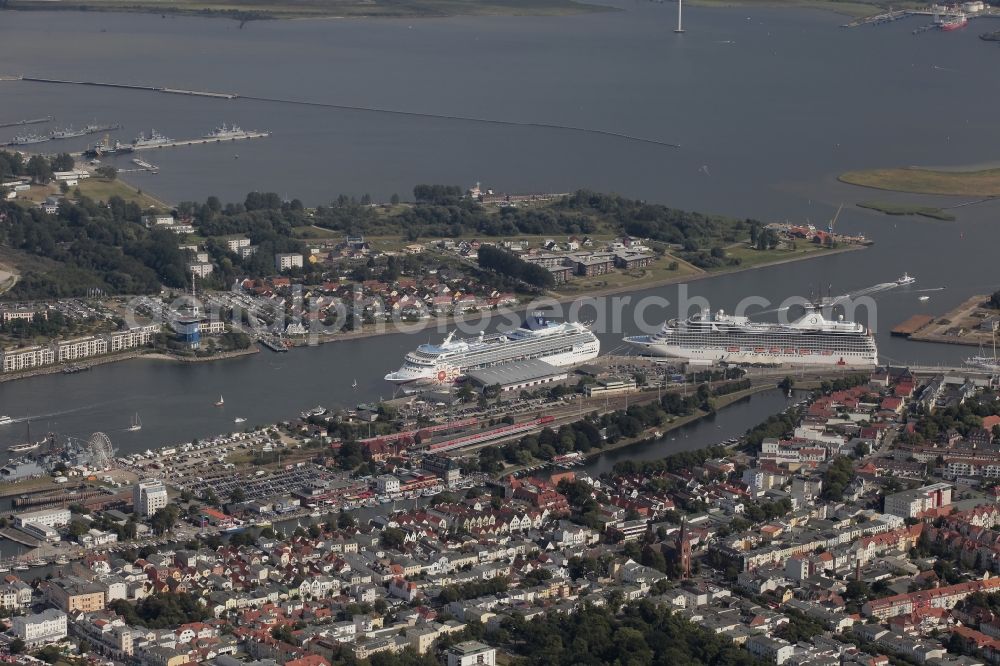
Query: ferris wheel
x,y
102,453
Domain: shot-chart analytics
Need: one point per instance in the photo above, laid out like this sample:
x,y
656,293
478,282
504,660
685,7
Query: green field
x,y
656,273
981,183
750,257
850,8
908,209
273,9
99,189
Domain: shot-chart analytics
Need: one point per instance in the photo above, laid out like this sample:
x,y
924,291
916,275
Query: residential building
x,y
72,593
77,348
25,358
912,503
148,497
48,626
471,653
284,261
137,336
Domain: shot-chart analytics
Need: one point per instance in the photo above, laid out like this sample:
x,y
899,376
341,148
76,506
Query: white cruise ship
x,y
559,344
810,340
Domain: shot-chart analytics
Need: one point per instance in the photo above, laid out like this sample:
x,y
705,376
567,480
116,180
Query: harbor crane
x,y
829,228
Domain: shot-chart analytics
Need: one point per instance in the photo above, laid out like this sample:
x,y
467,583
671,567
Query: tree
x,y
62,162
394,199
393,537
17,646
237,495
106,172
39,170
164,519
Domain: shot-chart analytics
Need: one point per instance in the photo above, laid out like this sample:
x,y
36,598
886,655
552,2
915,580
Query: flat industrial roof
x,y
515,373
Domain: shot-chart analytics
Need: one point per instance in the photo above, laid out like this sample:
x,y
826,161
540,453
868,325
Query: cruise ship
x,y
810,340
566,343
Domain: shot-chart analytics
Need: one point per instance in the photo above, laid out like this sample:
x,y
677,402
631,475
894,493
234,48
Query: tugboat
x,y
954,22
905,279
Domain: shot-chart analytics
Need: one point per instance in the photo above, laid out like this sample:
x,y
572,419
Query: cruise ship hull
x,y
793,356
448,373
718,337
565,345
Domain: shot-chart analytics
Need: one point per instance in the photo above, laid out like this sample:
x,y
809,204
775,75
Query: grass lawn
x,y
983,183
102,190
846,7
906,209
657,272
315,233
750,257
249,9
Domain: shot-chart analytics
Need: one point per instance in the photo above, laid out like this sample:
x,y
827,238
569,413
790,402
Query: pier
x,y
351,107
17,536
128,86
30,121
203,140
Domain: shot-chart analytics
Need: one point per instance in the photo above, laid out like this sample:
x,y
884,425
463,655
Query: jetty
x,y
203,140
30,121
912,325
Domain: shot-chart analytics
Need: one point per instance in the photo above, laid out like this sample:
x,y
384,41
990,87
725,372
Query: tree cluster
x,y
495,259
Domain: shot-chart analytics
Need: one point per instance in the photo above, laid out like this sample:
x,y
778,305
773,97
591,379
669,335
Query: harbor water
x,y
767,107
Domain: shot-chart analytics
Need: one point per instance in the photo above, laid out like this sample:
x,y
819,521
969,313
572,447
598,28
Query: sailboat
x,y
985,362
355,384
136,424
27,445
220,402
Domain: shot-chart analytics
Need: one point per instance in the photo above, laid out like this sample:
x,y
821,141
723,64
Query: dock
x,y
912,325
204,140
30,121
17,536
273,345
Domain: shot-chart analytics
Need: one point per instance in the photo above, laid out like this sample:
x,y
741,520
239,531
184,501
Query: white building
x,y
284,261
158,220
775,650
471,653
912,503
48,626
148,497
27,357
70,350
137,336
48,517
42,532
234,244
387,484
201,269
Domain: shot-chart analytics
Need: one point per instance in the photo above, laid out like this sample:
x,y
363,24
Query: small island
x,y
959,181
